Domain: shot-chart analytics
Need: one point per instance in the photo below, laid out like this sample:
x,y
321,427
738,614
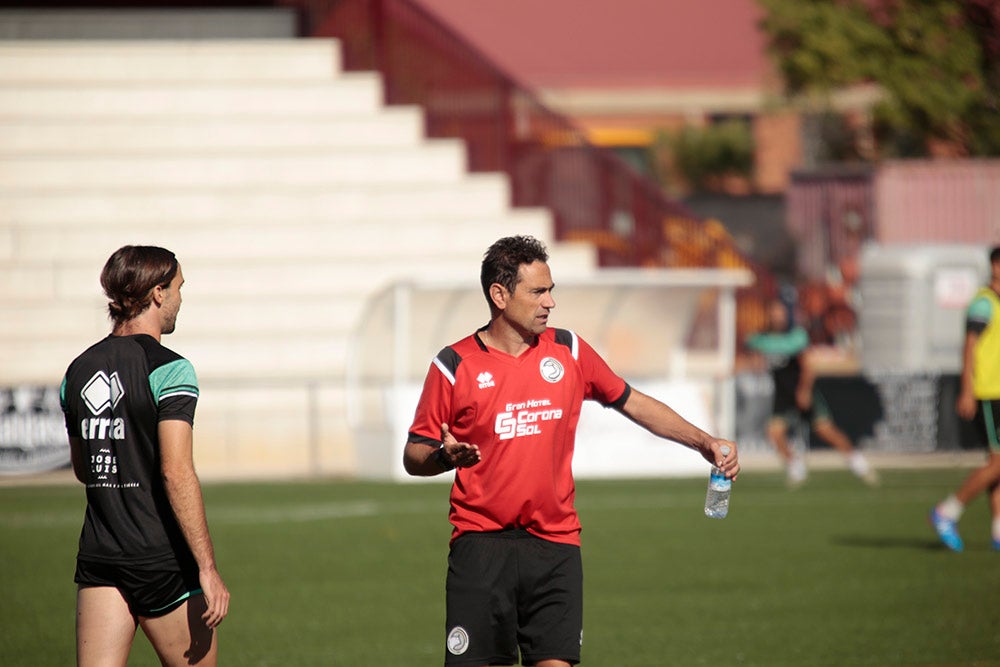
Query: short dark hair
x,y
129,276
995,254
504,258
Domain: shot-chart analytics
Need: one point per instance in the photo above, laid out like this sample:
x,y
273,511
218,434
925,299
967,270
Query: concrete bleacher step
x,y
242,356
73,204
292,196
315,276
124,23
63,63
359,92
205,316
67,281
392,127
333,241
439,162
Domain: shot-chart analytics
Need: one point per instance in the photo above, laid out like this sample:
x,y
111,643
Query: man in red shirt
x,y
502,407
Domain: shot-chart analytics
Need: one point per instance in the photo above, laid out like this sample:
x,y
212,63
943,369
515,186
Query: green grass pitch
x,y
352,573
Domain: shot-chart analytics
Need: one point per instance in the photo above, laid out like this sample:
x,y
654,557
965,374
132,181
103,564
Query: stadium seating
x,y
289,192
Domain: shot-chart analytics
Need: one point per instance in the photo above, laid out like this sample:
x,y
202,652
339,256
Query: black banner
x,y
881,411
32,430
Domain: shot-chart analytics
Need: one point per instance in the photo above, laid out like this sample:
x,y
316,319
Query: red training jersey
x,y
522,412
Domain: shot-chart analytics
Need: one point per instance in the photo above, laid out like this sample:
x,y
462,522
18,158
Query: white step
x,y
349,93
475,194
201,316
148,23
242,356
402,126
49,320
439,162
67,282
324,278
87,62
332,241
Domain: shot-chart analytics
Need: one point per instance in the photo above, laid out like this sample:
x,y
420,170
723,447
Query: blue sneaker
x,y
996,544
947,530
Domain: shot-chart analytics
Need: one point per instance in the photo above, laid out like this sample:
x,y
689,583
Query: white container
x,y
913,301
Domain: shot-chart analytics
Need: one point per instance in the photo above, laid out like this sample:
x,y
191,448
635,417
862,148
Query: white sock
x,y
859,464
951,508
996,529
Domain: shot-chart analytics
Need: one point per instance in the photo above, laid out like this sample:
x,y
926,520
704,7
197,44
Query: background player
x,y
797,402
145,556
502,406
979,388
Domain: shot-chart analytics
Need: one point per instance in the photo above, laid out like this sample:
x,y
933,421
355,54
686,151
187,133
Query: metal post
x,y
727,353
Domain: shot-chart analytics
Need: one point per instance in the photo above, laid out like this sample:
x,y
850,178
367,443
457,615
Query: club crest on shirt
x,y
458,640
551,370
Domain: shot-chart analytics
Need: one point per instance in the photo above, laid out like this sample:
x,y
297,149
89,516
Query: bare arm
x,y
660,419
78,458
965,405
422,460
184,493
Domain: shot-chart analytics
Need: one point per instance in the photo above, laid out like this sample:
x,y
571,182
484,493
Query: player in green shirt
x,y
785,347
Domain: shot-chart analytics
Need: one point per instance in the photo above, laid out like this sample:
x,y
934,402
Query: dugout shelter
x,y
670,333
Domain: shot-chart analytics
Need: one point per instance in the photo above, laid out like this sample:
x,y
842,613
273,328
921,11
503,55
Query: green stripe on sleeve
x,y
174,379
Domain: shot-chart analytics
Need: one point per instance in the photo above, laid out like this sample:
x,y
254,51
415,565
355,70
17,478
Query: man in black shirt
x,y
145,558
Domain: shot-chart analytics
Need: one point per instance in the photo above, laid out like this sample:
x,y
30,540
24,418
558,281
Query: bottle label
x,y
719,482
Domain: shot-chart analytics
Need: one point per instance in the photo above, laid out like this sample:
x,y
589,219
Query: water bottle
x,y
717,498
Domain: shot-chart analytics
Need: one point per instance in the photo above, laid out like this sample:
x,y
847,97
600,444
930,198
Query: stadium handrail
x,y
593,194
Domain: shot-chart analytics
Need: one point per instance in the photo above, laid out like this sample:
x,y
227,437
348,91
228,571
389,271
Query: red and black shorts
x,y
510,591
149,591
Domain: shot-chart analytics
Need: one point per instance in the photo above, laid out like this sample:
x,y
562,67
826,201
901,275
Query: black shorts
x,y
785,409
510,591
149,592
989,425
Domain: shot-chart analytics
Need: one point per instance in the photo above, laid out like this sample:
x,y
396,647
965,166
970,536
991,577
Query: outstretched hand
x,y
461,454
728,463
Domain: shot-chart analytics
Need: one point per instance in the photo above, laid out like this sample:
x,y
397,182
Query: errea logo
x,y
485,380
102,392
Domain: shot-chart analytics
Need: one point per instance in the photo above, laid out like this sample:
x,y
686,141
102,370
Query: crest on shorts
x,y
551,369
458,640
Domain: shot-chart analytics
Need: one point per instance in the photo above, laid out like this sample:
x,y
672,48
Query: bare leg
x,y
777,432
994,492
181,637
552,663
829,433
979,480
105,627
833,436
795,466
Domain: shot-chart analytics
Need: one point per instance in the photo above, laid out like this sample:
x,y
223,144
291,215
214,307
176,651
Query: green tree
x,y
938,62
706,155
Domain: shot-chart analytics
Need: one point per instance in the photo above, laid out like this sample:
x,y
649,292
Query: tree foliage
x,y
938,62
704,155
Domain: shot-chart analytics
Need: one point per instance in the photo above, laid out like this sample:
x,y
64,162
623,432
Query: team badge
x,y
458,640
551,370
